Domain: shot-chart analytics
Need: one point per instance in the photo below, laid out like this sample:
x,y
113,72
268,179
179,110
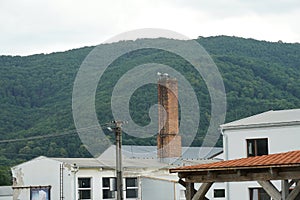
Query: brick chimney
x,y
168,138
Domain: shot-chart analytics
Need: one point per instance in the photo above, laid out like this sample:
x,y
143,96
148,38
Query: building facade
x,y
248,166
266,133
144,176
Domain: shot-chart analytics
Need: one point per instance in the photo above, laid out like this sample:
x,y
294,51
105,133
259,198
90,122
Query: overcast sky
x,y
44,26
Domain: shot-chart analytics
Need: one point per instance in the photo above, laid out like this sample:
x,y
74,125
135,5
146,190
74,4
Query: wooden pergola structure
x,y
263,169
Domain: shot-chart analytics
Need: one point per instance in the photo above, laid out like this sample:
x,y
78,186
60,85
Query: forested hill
x,y
36,92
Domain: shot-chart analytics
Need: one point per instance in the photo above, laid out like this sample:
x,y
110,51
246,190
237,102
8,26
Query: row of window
x,y
255,194
109,187
255,147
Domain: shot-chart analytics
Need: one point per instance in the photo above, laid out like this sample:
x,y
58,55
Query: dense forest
x,y
36,93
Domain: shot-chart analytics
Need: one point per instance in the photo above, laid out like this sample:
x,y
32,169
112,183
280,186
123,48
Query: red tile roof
x,y
291,158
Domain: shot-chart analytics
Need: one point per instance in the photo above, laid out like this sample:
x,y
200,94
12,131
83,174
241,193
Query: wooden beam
x,y
295,192
284,189
270,189
183,183
189,192
273,172
236,176
200,194
241,173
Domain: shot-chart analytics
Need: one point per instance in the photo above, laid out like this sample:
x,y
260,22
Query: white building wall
x,y
280,139
41,171
6,193
6,197
44,171
156,189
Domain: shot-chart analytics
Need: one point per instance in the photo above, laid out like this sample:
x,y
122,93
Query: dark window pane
x,y
257,147
262,147
84,182
131,182
84,194
263,195
105,182
258,194
107,194
132,193
219,193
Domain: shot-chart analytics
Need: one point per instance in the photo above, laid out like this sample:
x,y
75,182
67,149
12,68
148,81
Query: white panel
x,y
157,189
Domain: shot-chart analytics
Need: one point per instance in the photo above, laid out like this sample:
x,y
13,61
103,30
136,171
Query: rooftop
x,y
145,156
150,152
269,118
288,159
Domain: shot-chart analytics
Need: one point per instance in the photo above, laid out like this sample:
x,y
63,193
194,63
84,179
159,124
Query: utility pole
x,y
117,127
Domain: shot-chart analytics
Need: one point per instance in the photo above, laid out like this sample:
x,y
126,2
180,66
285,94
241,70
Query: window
x,y
109,187
40,192
257,147
84,188
258,194
131,185
219,193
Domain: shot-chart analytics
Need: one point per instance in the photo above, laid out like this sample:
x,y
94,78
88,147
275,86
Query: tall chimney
x,y
168,138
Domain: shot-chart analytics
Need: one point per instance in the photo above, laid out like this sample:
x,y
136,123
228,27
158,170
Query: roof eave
x,y
232,168
262,125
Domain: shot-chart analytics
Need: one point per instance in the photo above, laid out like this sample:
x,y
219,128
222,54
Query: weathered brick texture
x,y
168,139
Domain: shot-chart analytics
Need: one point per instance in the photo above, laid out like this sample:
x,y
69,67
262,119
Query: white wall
x,y
41,172
6,193
6,198
280,139
44,171
157,189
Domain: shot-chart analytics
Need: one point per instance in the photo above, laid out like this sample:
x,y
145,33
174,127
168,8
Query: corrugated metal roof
x,y
81,162
128,162
291,158
150,152
144,156
278,117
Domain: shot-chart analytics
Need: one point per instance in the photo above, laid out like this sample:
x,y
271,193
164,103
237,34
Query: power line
x,y
70,132
38,137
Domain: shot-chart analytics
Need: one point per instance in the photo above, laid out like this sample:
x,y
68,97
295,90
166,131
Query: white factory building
x,y
88,178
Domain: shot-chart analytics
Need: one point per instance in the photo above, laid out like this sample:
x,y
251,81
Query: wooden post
x,y
295,192
189,193
200,194
270,189
284,189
